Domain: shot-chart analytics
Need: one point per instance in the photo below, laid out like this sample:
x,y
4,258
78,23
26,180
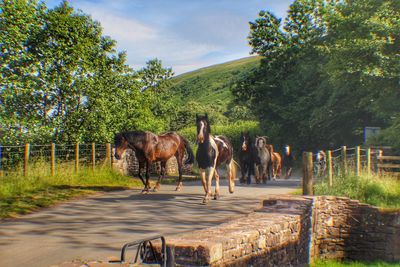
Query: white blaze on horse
x,y
211,153
263,169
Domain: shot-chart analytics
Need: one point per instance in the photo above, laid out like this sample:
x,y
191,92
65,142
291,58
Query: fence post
x,y
307,173
330,168
344,159
76,157
93,155
358,162
53,159
108,154
26,159
1,166
369,161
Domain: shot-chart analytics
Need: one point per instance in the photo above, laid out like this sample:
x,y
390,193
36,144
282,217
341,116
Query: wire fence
x,y
354,160
51,158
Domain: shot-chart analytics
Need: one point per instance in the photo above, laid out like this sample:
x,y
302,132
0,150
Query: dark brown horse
x,y
248,158
149,148
211,153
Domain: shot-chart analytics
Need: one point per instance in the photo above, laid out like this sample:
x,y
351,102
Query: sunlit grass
x,y
381,191
21,195
330,263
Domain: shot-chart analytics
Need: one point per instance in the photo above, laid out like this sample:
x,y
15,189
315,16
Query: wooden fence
x,y
17,159
344,161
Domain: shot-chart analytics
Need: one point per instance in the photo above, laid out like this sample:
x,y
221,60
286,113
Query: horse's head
x,y
203,128
261,142
287,150
121,144
320,155
246,141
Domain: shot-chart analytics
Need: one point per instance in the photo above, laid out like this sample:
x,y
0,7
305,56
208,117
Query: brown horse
x,y
276,162
149,148
212,152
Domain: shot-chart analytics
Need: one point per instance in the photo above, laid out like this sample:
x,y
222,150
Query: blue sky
x,y
184,34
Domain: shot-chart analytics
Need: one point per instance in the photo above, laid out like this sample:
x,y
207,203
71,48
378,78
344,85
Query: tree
x,y
320,82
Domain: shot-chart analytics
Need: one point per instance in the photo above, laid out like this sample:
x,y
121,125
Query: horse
x,y
320,163
288,160
211,153
248,158
264,166
276,162
149,148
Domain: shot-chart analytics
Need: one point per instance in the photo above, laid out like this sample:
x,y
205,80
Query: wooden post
x,y
1,165
76,157
307,173
93,155
53,159
369,161
358,161
344,159
108,155
330,168
26,159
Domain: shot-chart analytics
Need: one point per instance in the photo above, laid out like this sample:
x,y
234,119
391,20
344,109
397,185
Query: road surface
x,y
97,227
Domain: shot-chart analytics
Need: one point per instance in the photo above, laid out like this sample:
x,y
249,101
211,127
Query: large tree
x,y
329,70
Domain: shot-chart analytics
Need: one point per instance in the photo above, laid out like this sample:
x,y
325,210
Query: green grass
x,y
22,195
331,263
381,191
211,85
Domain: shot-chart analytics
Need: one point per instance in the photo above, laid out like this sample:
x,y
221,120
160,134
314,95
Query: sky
x,y
184,34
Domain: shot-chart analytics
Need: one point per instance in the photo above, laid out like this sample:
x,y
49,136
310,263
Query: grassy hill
x,y
211,85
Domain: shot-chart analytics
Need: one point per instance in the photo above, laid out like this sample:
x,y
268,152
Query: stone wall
x,y
292,231
347,229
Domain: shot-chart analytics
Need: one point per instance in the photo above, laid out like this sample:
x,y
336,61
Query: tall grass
x,y
20,194
381,191
331,263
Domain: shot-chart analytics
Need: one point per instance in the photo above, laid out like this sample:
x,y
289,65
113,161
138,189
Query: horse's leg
x,y
216,195
210,175
231,176
161,176
264,169
243,172
179,159
257,176
141,166
249,171
147,185
203,179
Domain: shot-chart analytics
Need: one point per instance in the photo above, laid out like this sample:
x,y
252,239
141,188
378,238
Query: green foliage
x,y
331,70
63,81
374,189
331,263
208,90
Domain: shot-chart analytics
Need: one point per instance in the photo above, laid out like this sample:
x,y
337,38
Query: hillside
x,y
210,85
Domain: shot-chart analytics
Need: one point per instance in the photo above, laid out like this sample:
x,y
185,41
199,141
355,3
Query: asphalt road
x,y
97,227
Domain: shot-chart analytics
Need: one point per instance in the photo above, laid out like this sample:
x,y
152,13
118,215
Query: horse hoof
x,y
145,191
205,200
216,196
178,188
155,189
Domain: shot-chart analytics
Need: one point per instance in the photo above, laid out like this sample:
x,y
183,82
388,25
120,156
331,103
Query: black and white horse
x,y
211,153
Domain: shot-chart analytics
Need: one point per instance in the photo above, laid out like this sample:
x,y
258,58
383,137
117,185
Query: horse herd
x,y
255,158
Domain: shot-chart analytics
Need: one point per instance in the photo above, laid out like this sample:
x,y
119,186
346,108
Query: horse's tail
x,y
189,151
232,175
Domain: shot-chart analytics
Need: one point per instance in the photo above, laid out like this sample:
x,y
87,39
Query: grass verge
x,y
381,191
22,195
331,263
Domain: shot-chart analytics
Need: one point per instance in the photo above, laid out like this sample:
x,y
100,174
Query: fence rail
x,y
52,158
327,164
